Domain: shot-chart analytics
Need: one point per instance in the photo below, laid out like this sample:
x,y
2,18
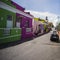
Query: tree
x,y
51,24
58,27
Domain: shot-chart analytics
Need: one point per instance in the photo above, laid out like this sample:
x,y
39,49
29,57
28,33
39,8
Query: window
x,y
9,17
18,21
9,21
27,24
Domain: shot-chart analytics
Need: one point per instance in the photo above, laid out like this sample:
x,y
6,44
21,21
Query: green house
x,y
8,30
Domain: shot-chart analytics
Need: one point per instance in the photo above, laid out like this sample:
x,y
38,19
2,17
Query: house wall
x,y
38,27
8,34
3,17
14,33
26,31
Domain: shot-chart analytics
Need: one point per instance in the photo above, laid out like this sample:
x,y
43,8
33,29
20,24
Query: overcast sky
x,y
52,6
44,7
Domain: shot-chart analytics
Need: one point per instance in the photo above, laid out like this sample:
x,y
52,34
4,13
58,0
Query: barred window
x,y
9,21
18,21
27,24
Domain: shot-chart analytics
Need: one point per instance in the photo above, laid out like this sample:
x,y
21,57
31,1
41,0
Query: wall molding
x,y
10,36
9,8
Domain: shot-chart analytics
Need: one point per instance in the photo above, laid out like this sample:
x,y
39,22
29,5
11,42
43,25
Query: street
x,y
40,48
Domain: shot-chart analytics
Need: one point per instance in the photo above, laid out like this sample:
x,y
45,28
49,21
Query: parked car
x,y
54,36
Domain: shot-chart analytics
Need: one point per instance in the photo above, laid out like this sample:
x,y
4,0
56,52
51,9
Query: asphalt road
x,y
40,48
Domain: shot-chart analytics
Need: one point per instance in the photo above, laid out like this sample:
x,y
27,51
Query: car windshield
x,y
54,32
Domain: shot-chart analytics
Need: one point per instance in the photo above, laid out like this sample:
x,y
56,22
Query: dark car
x,y
54,36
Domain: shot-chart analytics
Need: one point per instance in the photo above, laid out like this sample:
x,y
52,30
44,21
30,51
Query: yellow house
x,y
42,20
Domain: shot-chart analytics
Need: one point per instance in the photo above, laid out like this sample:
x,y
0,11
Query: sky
x,y
42,8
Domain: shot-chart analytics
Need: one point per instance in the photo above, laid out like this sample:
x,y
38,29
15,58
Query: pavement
x,y
40,48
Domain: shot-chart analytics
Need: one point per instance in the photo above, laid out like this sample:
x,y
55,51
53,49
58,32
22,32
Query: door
x,y
9,21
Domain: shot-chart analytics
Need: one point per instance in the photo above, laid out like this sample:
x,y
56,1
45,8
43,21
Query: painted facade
x,y
40,26
8,31
15,24
37,27
25,23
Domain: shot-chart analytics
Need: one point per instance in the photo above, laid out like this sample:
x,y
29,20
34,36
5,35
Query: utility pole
x,y
58,19
58,24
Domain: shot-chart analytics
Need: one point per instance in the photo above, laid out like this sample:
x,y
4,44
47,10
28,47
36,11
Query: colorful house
x,y
8,30
38,27
14,22
24,21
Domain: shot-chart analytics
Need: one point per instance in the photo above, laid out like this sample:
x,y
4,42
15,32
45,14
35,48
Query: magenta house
x,y
24,21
